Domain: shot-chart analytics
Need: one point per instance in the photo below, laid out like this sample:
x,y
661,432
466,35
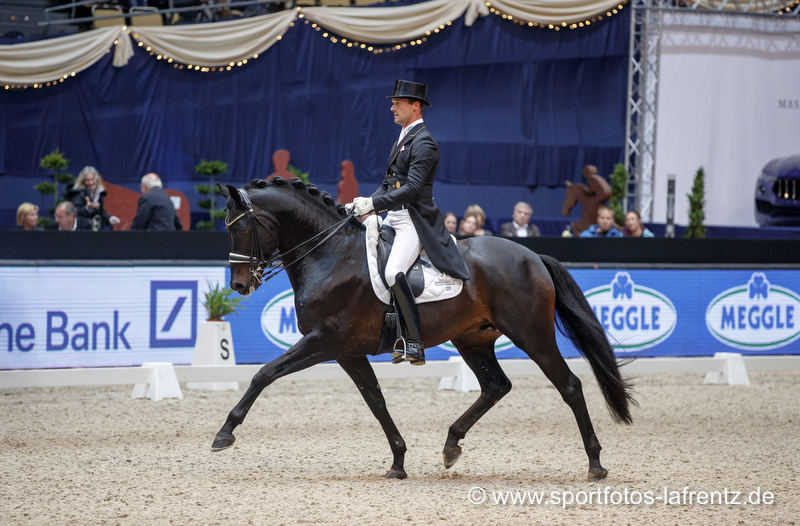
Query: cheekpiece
x,y
404,89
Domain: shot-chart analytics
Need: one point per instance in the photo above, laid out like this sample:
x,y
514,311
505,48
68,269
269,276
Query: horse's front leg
x,y
360,371
310,350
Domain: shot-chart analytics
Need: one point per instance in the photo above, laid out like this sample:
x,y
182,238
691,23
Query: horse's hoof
x,y
395,473
451,456
597,474
222,442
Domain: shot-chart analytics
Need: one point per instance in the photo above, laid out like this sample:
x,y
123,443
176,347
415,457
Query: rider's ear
x,y
223,190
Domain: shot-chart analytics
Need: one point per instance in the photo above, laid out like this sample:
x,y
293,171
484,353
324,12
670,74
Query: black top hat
x,y
404,89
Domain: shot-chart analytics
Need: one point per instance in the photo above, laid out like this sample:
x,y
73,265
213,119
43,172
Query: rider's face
x,y
403,110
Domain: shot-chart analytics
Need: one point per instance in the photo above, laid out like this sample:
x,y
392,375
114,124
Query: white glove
x,y
348,207
362,205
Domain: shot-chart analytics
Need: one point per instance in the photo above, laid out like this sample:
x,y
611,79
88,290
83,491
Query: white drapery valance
x,y
221,44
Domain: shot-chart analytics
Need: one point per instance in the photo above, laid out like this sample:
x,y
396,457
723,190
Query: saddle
x,y
414,275
427,283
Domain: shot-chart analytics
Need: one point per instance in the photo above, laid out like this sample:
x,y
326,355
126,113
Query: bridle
x,y
263,270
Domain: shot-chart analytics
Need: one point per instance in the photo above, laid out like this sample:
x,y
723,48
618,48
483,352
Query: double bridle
x,y
263,271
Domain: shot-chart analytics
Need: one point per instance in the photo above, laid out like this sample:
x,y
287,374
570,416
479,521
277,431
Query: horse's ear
x,y
234,194
223,190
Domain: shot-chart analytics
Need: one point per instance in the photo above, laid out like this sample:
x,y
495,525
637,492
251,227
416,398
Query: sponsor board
x,y
100,316
635,317
755,316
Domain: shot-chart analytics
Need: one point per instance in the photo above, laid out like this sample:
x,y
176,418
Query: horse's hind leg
x,y
478,354
546,355
362,374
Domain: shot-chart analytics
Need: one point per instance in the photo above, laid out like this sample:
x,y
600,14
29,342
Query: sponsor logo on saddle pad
x,y
279,320
635,317
756,316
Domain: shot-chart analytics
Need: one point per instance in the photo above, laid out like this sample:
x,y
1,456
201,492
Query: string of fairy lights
x,y
337,39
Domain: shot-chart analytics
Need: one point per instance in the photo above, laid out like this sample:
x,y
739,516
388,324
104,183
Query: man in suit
x,y
406,193
520,226
67,220
155,210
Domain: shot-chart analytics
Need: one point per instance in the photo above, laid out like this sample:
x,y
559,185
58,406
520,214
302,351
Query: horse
x,y
511,291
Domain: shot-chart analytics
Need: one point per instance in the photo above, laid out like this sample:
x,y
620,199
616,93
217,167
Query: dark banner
x,y
511,105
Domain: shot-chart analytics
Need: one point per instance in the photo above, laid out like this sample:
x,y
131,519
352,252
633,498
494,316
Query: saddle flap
x,y
415,276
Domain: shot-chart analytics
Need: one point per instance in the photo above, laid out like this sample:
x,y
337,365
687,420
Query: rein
x,y
264,271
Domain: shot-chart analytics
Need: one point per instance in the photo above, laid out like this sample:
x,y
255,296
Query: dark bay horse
x,y
512,291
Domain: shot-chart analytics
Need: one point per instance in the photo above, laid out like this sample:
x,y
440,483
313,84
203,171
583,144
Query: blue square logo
x,y
173,313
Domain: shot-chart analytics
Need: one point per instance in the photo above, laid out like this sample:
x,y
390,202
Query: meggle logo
x,y
636,317
757,316
279,320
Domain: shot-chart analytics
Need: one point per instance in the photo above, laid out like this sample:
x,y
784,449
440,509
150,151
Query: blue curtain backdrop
x,y
511,105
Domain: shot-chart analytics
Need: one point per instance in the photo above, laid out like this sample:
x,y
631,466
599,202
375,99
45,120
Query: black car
x,y
778,193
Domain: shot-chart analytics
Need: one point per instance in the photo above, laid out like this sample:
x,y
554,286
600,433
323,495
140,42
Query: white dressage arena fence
x,y
159,380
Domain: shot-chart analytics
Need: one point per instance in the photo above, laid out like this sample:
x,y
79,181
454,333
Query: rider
x,y
407,195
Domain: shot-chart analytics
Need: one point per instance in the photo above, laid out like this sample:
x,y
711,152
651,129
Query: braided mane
x,y
324,197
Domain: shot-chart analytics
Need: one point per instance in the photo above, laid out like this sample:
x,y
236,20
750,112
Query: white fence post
x,y
163,383
734,372
464,380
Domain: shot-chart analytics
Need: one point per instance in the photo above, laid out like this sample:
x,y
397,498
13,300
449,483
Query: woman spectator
x,y
28,217
480,217
634,226
88,196
450,222
468,227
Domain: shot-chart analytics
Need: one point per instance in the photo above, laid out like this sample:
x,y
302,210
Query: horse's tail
x,y
576,321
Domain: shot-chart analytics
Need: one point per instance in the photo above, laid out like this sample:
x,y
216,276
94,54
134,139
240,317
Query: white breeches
x,y
406,245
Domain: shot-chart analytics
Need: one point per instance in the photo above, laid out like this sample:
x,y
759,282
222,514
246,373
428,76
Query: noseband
x,y
263,271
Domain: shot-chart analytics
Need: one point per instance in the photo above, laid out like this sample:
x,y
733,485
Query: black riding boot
x,y
409,322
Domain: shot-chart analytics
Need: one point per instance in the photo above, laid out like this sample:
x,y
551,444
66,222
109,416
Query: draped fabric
x,y
223,43
511,105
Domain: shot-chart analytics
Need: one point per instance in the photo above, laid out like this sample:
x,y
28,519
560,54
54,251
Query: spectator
x,y
634,226
480,218
67,220
28,217
520,226
468,226
155,210
604,226
88,195
451,222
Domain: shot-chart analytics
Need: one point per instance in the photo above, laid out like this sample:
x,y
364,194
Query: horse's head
x,y
252,239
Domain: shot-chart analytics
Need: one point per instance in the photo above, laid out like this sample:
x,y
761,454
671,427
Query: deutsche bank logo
x,y
173,313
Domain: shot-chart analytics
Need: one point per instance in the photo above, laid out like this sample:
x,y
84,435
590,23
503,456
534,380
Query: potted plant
x,y
55,162
214,343
211,169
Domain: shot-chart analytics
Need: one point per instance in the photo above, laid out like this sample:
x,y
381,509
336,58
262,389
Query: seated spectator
x,y
480,217
88,195
634,226
28,217
155,210
468,226
450,222
520,226
67,220
604,226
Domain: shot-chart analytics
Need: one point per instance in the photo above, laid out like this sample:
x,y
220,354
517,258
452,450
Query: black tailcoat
x,y
409,182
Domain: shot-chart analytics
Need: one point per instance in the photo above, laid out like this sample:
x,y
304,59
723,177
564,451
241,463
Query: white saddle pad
x,y
438,285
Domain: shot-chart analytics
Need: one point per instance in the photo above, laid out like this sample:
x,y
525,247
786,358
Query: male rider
x,y
406,193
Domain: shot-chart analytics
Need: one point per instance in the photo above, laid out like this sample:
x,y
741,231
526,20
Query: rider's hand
x,y
348,207
362,205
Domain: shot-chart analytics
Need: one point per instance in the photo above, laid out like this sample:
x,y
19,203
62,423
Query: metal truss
x,y
643,71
